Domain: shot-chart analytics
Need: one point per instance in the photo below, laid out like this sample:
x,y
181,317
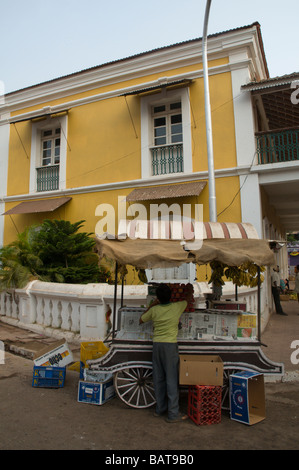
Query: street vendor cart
x,y
204,331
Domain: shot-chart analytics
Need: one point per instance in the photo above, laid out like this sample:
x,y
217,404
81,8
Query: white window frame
x,y
171,96
36,149
50,138
167,114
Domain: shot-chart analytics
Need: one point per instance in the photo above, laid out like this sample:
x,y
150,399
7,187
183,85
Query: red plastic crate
x,y
204,404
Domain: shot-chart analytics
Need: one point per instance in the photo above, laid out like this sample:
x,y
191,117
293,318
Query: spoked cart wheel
x,y
134,386
227,371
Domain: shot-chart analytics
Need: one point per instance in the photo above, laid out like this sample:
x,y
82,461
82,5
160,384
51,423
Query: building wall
x,y
105,154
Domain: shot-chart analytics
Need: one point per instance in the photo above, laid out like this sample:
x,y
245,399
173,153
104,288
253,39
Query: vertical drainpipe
x,y
217,291
212,192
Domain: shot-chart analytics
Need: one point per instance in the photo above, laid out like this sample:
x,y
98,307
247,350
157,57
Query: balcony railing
x,y
278,146
167,159
47,178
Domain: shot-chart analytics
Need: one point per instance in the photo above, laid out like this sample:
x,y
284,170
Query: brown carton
x,y
201,370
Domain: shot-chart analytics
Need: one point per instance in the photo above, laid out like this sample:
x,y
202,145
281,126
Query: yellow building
x,y
134,129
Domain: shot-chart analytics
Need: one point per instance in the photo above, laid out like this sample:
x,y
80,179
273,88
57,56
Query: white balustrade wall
x,y
77,311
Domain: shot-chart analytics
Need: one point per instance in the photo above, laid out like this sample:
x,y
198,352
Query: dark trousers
x,y
275,293
166,378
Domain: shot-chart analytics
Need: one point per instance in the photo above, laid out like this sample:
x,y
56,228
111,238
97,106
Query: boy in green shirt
x,y
165,316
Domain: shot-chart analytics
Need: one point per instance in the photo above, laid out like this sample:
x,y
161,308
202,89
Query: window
x,y
51,147
47,175
48,154
166,133
167,124
167,151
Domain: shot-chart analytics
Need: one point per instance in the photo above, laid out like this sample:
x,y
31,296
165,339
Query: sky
x,y
42,40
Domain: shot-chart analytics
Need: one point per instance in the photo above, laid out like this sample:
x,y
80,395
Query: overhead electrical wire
x,y
130,154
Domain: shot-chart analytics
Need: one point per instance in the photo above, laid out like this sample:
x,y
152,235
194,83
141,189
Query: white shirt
x,y
275,278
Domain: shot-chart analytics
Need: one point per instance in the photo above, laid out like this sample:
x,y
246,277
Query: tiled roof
x,y
276,96
275,81
255,24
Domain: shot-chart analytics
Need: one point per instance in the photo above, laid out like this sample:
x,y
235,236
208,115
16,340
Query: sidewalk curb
x,y
48,332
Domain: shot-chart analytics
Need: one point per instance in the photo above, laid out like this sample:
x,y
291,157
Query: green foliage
x,y
58,243
53,252
19,262
12,273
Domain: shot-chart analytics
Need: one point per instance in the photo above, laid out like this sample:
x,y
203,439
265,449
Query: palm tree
x,y
18,262
55,251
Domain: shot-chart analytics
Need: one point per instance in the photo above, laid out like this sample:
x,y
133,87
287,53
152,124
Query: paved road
x,y
282,339
47,419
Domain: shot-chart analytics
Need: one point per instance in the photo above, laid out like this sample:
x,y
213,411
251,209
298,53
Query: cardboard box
x,y
57,354
247,397
201,370
96,393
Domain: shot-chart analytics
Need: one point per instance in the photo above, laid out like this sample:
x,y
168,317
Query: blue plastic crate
x,y
48,377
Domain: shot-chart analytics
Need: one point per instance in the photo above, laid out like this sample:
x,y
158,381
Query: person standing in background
x,y
275,286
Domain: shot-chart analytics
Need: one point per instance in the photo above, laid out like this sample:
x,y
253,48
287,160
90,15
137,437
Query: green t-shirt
x,y
165,318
